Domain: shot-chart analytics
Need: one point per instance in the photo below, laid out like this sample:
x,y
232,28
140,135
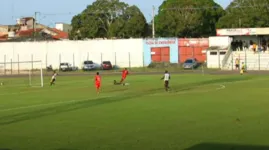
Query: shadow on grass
x,y
216,146
9,119
55,110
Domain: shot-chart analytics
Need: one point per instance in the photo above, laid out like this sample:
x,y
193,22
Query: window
x,y
88,62
213,53
107,62
222,53
188,61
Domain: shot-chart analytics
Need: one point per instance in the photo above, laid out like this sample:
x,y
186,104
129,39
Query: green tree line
x,y
175,18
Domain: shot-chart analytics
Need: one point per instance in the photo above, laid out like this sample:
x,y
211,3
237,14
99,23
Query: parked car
x,y
106,65
67,67
49,68
88,65
190,63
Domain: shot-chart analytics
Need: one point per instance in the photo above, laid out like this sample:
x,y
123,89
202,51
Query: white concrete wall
x,y
123,53
215,61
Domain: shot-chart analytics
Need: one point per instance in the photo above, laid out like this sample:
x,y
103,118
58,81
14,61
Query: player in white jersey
x,y
53,78
166,79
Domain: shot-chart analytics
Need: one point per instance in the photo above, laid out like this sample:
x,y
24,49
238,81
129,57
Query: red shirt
x,y
125,73
97,79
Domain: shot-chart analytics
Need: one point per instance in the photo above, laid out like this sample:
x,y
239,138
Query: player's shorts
x,y
53,80
98,85
237,66
166,83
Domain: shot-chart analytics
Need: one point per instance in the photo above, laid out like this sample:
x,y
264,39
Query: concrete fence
x,y
122,53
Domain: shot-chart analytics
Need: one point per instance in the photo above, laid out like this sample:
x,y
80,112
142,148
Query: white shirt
x,y
166,77
54,76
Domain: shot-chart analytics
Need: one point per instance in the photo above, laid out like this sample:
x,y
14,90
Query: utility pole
x,y
34,26
153,22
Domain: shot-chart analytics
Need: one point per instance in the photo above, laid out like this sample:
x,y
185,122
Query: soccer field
x,y
210,112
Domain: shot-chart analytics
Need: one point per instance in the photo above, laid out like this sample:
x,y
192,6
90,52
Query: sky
x,y
52,11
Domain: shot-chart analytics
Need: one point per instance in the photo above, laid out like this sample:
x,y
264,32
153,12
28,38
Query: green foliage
x,y
245,13
107,19
188,18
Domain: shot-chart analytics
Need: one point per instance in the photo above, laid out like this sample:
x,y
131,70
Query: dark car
x,y
106,65
191,63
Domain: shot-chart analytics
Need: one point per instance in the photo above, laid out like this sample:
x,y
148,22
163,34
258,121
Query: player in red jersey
x,y
97,82
125,72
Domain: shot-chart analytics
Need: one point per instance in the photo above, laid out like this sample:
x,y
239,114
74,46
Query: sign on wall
x,y
160,42
238,31
160,49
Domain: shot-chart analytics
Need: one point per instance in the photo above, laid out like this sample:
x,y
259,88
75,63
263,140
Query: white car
x,y
67,67
88,65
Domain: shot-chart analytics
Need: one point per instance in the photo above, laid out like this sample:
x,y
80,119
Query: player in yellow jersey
x,y
242,70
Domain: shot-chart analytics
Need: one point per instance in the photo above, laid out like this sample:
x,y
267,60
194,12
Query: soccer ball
x,y
124,84
2,83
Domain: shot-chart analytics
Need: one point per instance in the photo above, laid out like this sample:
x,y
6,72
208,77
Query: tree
x,y
246,13
187,18
107,19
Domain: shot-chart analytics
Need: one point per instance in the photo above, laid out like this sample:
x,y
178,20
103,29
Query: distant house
x,y
3,37
56,34
7,31
26,28
27,33
51,33
63,27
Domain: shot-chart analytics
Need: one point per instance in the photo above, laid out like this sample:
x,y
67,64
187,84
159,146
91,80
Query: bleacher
x,y
253,61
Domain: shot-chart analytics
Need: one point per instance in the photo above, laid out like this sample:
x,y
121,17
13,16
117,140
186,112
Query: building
x,y
7,31
26,23
26,28
63,27
239,44
256,35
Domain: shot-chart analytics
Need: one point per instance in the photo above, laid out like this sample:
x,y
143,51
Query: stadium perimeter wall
x,y
160,50
123,53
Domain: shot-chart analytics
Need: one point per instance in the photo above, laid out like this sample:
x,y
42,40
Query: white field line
x,y
221,87
51,104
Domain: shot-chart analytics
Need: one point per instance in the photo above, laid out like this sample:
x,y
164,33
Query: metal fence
x,y
124,59
252,61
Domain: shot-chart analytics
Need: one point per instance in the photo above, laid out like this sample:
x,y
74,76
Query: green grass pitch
x,y
211,112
